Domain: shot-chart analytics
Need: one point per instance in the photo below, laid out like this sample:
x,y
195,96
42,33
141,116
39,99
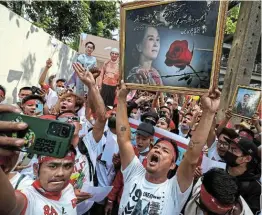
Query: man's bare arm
x,y
99,106
94,96
44,73
123,129
185,172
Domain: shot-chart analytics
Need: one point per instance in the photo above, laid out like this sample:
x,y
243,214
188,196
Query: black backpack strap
x,y
19,180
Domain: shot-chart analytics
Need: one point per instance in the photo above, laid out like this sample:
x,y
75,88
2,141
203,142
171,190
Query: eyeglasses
x,y
69,119
223,144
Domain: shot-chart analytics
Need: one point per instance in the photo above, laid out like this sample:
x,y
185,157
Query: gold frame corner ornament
x,y
221,21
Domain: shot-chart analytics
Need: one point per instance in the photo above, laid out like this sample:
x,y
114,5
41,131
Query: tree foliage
x,y
66,20
231,21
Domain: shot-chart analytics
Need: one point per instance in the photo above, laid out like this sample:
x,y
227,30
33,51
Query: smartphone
x,y
43,137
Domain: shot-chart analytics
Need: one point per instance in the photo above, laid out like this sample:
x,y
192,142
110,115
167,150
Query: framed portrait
x,y
246,101
172,45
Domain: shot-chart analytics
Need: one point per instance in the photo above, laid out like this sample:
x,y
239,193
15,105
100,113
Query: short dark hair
x,y
25,88
251,133
61,79
189,114
166,108
221,185
231,133
33,97
3,89
247,95
170,141
89,42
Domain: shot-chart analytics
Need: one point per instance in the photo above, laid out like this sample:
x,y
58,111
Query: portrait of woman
x,y
145,51
171,45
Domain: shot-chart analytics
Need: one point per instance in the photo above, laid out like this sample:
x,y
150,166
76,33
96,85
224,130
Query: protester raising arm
x,y
44,73
123,129
255,122
185,172
223,124
94,95
11,203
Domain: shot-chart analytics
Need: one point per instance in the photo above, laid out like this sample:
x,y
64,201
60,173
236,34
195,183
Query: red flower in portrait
x,y
178,54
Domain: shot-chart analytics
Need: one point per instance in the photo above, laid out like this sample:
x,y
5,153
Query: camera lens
x,y
64,131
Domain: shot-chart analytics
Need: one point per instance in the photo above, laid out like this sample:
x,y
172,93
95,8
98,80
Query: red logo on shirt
x,y
74,201
49,211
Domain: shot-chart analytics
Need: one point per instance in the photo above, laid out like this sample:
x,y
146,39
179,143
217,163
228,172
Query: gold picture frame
x,y
213,54
245,101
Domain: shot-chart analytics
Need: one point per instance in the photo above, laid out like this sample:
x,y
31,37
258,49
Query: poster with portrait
x,y
172,45
245,101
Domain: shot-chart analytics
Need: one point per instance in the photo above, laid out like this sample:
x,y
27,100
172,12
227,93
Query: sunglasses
x,y
69,119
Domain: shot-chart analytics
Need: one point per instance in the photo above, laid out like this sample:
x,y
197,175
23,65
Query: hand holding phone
x,y
43,137
5,126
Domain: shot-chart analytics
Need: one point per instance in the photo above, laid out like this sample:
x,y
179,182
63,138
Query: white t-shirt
x,y
39,204
24,183
30,170
51,98
142,197
105,172
213,154
80,174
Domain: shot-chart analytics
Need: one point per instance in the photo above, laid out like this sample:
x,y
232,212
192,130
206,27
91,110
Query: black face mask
x,y
230,159
112,122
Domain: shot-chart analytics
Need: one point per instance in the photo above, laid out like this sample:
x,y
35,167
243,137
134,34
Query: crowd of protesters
x,y
144,173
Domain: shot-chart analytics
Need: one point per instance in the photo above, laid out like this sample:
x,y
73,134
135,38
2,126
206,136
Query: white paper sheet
x,y
208,164
111,148
84,206
99,193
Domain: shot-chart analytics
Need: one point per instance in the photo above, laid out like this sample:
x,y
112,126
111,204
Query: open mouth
x,y
154,160
63,107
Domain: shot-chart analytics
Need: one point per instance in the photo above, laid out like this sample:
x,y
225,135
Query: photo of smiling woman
x,y
145,51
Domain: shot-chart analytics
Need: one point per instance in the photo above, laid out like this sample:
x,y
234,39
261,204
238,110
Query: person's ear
x,y
173,165
138,47
36,169
247,158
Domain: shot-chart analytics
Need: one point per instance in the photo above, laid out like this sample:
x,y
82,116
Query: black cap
x,y
150,114
246,146
145,129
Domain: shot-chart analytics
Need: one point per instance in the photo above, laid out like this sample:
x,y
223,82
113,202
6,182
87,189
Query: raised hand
x,y
122,93
84,75
95,71
49,63
228,112
210,102
255,119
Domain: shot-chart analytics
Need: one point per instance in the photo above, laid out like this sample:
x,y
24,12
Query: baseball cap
x,y
170,100
246,146
145,129
152,115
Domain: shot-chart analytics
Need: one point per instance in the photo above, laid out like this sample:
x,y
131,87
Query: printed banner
x,y
181,141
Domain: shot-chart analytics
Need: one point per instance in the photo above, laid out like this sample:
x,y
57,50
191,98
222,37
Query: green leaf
x,y
180,79
189,81
187,77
